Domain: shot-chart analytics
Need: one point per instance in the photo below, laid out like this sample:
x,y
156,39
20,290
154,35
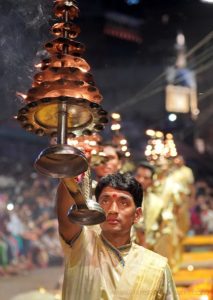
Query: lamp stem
x,y
62,107
62,123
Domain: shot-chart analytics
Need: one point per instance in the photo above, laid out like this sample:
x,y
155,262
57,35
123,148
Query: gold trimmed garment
x,y
96,270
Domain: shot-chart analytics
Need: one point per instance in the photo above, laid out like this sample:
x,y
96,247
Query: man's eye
x,y
124,202
104,201
110,157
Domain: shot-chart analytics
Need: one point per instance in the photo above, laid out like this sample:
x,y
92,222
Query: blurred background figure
x,y
151,208
111,165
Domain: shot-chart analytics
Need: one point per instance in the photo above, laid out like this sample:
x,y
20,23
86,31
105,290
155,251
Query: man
x,y
112,164
106,265
183,175
170,234
144,175
152,207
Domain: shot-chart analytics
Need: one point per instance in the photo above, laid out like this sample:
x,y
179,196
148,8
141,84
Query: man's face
x,y
120,210
112,165
144,177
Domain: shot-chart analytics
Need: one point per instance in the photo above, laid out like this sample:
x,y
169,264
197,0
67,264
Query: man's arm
x,y
65,200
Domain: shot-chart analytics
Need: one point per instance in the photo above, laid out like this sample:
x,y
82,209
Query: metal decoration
x,y
65,103
160,147
118,138
92,147
63,100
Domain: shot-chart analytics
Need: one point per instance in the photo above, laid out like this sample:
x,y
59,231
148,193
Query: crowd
x,y
28,226
201,211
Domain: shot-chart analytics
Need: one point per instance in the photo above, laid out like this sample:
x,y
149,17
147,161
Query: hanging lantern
x,y
181,99
181,92
178,99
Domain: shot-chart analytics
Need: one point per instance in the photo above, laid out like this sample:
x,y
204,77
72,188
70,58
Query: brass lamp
x,y
63,101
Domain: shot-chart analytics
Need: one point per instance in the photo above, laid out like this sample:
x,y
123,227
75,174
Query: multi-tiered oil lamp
x,y
63,101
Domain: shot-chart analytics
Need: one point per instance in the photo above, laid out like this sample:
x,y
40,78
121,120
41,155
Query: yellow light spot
x,y
42,290
190,268
115,116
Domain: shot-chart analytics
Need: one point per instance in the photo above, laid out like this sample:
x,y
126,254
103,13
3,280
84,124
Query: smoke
x,y
24,29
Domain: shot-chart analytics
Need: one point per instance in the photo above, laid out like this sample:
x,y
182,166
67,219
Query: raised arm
x,y
67,191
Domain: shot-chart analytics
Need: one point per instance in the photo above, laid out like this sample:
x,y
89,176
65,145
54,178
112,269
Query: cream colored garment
x,y
183,175
152,207
94,269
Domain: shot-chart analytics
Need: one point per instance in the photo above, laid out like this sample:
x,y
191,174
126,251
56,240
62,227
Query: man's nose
x,y
113,207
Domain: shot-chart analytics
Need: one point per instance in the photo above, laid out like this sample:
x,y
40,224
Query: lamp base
x,y
60,161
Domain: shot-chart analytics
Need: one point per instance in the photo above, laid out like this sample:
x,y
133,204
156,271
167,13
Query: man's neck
x,y
116,239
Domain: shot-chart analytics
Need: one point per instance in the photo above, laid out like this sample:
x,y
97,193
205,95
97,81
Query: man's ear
x,y
138,214
119,165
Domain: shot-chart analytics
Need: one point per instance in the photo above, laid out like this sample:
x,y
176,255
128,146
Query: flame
x,y
39,65
23,96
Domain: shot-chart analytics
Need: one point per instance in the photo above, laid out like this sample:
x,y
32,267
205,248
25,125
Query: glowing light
x,y
159,134
132,2
42,290
159,148
196,112
115,126
204,297
169,136
190,268
180,39
150,132
173,153
23,96
92,143
115,116
10,206
102,154
38,65
72,142
172,117
94,152
127,154
207,1
123,142
124,148
148,153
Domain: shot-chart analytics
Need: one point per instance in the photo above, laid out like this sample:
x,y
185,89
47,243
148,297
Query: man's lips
x,y
112,220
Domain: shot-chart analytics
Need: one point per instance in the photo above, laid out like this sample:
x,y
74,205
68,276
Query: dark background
x,y
129,74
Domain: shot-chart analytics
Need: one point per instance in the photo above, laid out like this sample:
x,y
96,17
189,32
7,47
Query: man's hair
x,y
146,165
124,182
